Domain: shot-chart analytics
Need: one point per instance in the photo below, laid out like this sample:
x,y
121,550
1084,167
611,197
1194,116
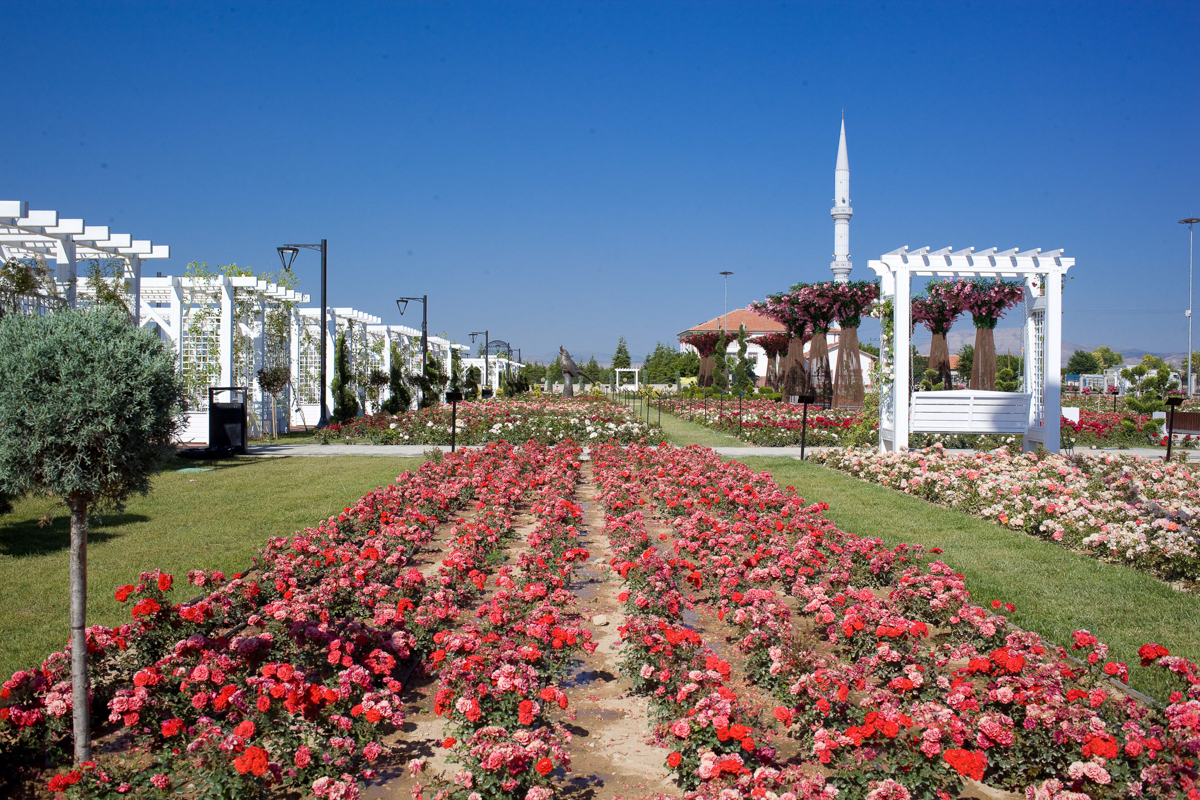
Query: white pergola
x,y
1042,274
43,235
637,376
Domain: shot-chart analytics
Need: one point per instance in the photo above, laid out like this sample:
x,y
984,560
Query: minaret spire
x,y
841,212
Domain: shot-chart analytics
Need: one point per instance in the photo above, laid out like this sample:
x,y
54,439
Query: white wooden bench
x,y
970,411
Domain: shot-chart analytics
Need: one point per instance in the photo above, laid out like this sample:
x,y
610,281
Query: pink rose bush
x,y
874,660
1121,508
771,424
547,420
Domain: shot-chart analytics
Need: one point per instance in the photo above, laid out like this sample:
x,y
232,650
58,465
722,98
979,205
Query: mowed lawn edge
x,y
681,432
1055,591
190,520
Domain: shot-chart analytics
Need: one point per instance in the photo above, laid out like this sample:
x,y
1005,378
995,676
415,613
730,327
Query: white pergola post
x,y
901,377
135,267
296,323
176,312
66,271
225,330
1052,418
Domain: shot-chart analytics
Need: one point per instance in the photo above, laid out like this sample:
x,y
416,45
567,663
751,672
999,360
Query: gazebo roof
x,y
27,234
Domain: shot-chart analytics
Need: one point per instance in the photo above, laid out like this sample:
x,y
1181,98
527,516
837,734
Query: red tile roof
x,y
755,323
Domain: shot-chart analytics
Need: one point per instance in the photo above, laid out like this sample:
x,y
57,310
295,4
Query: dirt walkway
x,y
612,750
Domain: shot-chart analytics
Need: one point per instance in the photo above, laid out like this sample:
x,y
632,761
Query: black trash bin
x,y
228,426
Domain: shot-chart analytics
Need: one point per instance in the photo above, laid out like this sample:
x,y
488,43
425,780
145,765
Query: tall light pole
x,y
726,274
486,345
402,304
287,254
1190,222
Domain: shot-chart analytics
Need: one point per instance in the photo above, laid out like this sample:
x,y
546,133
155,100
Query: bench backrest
x,y
970,411
1185,422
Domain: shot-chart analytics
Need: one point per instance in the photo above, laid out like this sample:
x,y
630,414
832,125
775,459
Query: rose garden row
x,y
243,688
1120,508
891,681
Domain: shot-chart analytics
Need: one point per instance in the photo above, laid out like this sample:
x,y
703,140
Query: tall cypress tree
x,y
399,394
345,404
743,367
621,358
720,374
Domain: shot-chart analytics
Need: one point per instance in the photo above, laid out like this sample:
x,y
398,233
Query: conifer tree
x,y
345,404
621,359
743,367
720,367
399,394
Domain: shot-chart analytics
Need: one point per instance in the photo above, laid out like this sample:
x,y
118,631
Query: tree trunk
x,y
848,386
706,372
771,381
792,378
79,654
818,369
939,360
983,368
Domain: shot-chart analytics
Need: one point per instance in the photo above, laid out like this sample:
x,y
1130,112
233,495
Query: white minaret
x,y
841,213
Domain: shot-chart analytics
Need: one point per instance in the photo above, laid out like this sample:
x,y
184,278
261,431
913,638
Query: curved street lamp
x,y
402,304
287,254
726,274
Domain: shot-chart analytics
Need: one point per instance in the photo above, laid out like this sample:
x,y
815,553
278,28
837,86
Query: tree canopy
x,y
88,405
1108,357
1082,362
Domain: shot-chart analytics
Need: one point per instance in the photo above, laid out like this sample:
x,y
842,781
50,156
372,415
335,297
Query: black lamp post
x,y
1174,401
402,304
805,399
486,344
287,254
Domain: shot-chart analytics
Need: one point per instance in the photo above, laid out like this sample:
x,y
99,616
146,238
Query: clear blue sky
x,y
566,173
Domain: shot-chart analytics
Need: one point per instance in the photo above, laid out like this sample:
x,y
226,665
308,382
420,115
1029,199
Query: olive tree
x,y
89,408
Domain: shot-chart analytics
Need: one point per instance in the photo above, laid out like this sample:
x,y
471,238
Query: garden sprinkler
x,y
805,399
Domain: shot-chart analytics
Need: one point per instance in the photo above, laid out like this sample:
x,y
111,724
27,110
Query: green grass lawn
x,y
1055,591
190,520
681,432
